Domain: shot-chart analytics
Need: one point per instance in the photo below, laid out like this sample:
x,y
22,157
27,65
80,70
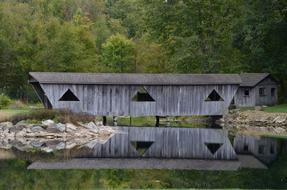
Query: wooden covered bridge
x,y
136,94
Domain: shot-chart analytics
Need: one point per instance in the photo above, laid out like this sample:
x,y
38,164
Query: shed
x,y
263,148
110,94
256,89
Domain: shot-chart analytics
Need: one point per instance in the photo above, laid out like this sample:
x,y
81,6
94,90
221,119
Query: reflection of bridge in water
x,y
171,148
167,143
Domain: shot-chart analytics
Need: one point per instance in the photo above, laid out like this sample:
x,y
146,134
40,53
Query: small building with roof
x,y
110,94
256,89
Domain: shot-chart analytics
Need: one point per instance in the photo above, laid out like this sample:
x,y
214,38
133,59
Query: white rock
x,y
21,123
7,124
279,119
47,149
60,146
61,127
99,123
70,126
37,128
279,130
70,145
92,127
37,143
48,122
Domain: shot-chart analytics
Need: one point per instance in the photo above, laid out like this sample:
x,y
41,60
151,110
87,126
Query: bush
x,y
4,101
63,116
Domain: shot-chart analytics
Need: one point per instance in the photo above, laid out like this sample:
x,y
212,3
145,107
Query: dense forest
x,y
150,36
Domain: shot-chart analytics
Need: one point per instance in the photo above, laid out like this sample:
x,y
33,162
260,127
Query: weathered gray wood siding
x,y
167,143
254,99
241,100
116,100
253,144
268,84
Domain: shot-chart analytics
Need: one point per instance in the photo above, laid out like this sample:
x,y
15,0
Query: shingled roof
x,y
252,79
133,79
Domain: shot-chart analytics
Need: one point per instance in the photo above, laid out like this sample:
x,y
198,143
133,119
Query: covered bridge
x,y
136,94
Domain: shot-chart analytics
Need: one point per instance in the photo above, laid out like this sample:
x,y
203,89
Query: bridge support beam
x,y
104,120
157,121
115,121
213,119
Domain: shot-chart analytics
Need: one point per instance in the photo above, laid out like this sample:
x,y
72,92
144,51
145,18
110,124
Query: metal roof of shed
x,y
252,79
133,79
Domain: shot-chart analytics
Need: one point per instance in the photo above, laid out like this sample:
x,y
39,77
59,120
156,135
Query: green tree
x,y
261,38
118,54
197,34
151,57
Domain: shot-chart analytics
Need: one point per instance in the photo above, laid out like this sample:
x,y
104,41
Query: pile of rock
x,y
49,136
254,120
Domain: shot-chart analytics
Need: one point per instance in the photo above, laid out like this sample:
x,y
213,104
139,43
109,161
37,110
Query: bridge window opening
x,y
142,96
213,147
246,92
261,91
273,90
141,146
69,96
245,148
272,149
261,149
214,96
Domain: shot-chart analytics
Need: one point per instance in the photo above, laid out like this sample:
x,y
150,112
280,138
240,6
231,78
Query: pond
x,y
147,157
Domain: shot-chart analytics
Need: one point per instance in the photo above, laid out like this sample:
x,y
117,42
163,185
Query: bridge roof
x,y
133,79
252,79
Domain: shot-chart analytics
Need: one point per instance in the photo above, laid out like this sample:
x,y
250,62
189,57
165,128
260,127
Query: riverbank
x,y
255,122
49,136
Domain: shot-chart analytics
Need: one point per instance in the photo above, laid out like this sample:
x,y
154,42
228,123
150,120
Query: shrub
x,y
62,116
4,101
17,104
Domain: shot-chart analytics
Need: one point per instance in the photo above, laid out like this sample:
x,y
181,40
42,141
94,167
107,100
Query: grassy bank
x,y
6,114
282,108
15,170
37,114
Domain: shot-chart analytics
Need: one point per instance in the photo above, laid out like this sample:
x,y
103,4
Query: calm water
x,y
148,157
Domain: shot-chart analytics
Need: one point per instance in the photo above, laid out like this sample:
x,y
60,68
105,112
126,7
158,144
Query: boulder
x,y
60,146
17,128
37,144
52,144
279,130
21,123
71,127
258,108
61,127
47,149
52,130
7,124
37,128
48,122
279,119
92,127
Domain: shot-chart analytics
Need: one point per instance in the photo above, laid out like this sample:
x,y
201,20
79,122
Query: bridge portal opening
x,y
142,96
213,147
214,96
141,146
69,96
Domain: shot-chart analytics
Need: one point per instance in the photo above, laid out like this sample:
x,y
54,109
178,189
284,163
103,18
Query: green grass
x,y
150,122
282,108
38,114
6,114
12,112
14,175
